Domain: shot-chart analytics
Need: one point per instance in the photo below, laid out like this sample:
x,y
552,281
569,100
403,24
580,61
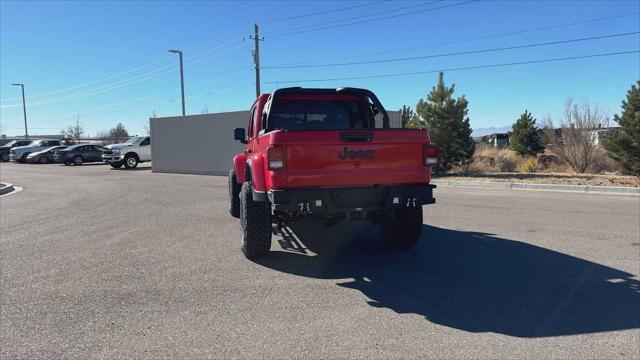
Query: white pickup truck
x,y
130,153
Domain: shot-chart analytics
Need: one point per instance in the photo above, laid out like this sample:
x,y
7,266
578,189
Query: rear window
x,y
311,114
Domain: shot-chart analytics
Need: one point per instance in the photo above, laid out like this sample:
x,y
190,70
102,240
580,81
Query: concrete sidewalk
x,y
619,190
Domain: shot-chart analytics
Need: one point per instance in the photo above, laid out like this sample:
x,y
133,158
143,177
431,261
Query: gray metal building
x,y
203,144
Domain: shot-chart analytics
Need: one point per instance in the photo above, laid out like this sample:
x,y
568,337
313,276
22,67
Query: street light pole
x,y
24,111
179,52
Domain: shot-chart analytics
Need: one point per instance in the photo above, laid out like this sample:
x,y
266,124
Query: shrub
x,y
528,164
506,161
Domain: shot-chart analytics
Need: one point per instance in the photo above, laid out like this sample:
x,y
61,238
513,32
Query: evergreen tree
x,y
624,146
448,124
406,114
118,134
526,138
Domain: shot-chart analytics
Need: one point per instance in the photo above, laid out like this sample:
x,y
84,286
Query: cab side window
x,y
250,128
146,141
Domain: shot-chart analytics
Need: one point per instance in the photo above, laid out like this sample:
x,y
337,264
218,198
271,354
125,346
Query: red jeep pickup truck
x,y
328,153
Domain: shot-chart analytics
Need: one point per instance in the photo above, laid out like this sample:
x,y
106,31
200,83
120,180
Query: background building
x,y
203,144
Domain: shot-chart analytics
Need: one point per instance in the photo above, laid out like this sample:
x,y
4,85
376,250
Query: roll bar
x,y
346,90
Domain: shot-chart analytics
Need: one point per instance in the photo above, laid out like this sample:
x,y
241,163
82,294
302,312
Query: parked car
x,y
45,156
329,154
6,148
130,153
79,154
20,153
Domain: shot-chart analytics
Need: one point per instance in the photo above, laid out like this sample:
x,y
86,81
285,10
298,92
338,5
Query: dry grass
x,y
488,159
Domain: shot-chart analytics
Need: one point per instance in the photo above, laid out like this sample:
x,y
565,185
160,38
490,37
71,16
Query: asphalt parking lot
x,y
105,263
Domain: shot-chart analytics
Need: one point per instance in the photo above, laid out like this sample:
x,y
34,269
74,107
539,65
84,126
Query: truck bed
x,y
354,158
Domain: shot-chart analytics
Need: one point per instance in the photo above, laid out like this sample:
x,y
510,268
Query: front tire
x,y
234,195
23,159
43,160
401,228
131,161
78,160
255,220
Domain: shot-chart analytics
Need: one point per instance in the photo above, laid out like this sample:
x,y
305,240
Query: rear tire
x,y
255,221
5,157
131,161
66,163
401,228
23,159
234,195
116,165
78,160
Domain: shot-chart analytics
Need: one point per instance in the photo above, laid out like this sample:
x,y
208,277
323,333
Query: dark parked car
x,y
79,154
4,150
45,156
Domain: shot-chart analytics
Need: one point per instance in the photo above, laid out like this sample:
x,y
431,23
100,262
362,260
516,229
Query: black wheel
x,y
66,163
131,161
77,160
116,165
255,220
23,159
401,228
234,195
43,160
5,157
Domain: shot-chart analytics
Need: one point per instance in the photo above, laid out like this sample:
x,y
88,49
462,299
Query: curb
x,y
7,188
588,189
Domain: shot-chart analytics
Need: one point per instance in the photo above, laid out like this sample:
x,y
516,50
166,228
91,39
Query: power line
x,y
122,83
84,112
35,96
131,70
296,17
458,68
374,19
352,18
455,53
484,37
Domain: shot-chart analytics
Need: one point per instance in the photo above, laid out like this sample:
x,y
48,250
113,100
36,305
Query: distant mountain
x,y
490,130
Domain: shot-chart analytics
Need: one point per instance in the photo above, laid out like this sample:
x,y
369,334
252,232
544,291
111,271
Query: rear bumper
x,y
351,199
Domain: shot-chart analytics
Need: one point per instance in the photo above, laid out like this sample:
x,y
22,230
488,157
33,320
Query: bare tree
x,y
103,136
74,131
575,140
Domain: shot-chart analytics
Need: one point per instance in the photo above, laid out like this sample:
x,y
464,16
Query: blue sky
x,y
107,61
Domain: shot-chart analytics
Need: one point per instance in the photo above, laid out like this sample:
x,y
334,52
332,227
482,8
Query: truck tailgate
x,y
339,158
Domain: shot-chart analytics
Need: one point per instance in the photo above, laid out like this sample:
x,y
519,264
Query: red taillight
x,y
276,156
430,154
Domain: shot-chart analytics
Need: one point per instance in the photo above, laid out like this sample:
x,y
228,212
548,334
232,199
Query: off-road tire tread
x,y
255,222
234,195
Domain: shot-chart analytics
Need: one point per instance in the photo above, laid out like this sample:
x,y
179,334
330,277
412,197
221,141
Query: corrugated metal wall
x,y
203,144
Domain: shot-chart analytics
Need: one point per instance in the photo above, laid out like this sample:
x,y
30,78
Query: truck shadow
x,y
467,280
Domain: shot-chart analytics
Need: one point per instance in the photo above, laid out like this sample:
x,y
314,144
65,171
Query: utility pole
x,y
179,52
256,56
24,111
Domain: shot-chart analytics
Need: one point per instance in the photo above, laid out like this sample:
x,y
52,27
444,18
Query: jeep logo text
x,y
355,154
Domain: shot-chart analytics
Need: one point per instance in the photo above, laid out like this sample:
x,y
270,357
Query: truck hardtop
x,y
329,154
